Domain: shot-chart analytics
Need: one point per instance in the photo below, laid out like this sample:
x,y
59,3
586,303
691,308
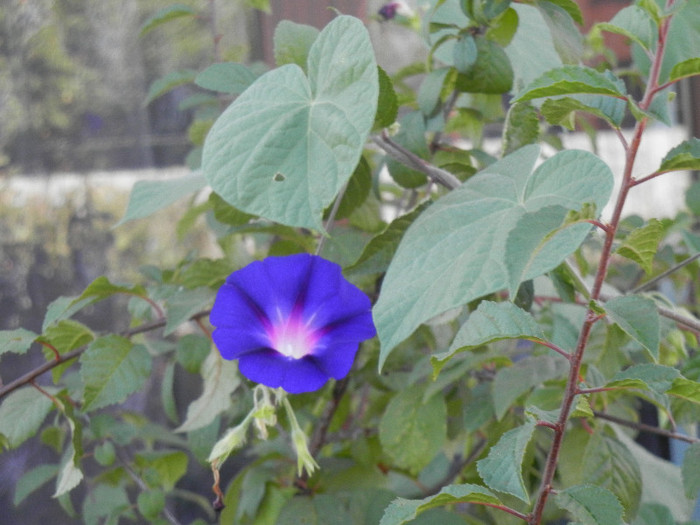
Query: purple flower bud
x,y
292,322
388,11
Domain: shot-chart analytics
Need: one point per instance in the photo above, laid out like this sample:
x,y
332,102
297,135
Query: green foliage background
x,y
518,331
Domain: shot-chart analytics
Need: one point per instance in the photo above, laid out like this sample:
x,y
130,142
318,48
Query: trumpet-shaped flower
x,y
292,322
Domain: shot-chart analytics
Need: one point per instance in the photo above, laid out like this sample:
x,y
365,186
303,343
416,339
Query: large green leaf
x,y
456,250
288,144
412,430
402,510
112,368
638,317
590,505
502,469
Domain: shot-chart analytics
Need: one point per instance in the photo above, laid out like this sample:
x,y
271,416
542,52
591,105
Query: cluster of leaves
x,y
515,342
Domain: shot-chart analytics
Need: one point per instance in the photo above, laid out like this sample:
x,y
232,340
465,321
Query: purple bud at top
x,y
388,11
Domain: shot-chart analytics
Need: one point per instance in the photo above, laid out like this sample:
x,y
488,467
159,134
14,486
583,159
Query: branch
x,y
413,161
50,365
645,428
668,272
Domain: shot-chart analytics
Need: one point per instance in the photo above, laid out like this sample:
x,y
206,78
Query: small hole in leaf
x,y
278,177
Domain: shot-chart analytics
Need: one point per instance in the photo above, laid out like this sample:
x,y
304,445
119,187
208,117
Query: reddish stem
x,y
54,350
572,390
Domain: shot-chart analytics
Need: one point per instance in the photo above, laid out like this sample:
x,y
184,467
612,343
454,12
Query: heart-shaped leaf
x,y
288,144
456,250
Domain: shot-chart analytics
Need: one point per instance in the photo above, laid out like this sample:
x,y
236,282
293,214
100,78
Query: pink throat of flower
x,y
292,338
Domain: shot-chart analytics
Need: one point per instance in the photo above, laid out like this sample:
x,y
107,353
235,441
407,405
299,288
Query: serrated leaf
x,y
62,308
101,288
112,368
388,104
608,464
685,156
403,510
590,505
511,382
297,139
206,272
64,336
170,466
502,469
691,471
166,14
226,77
687,68
646,376
21,414
147,197
559,110
455,251
634,23
33,480
642,243
70,474
16,341
522,127
169,82
491,72
638,317
412,430
686,389
292,43
221,379
378,253
488,323
567,80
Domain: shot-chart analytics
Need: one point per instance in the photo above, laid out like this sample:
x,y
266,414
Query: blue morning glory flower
x,y
292,322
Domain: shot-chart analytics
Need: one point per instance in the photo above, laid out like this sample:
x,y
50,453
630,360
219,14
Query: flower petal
x,y
235,342
276,370
301,303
